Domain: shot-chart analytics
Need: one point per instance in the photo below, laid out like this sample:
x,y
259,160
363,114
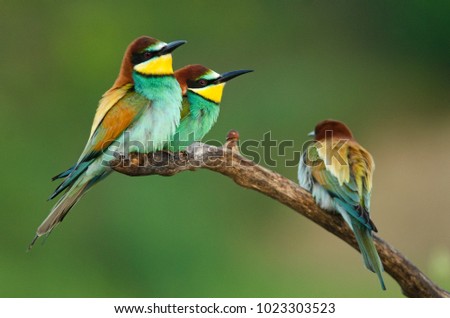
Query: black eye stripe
x,y
199,83
137,58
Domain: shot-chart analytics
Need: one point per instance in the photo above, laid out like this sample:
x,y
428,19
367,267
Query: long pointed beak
x,y
311,134
230,75
170,47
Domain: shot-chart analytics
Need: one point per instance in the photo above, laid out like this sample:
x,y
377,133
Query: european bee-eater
x,y
140,112
338,172
202,93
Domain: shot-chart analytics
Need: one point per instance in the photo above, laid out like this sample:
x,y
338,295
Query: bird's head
x,y
334,127
147,56
204,81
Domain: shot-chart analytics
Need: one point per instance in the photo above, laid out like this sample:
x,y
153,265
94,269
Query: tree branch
x,y
228,161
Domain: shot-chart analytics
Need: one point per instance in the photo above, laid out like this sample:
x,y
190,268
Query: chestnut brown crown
x,y
337,128
189,73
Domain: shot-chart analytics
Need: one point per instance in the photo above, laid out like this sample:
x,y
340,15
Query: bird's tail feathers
x,y
64,204
63,174
71,174
369,252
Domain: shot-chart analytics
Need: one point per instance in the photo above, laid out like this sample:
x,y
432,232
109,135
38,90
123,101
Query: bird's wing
x,y
347,176
109,99
362,168
117,118
185,108
334,154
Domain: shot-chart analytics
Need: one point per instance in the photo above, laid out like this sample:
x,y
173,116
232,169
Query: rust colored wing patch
x,y
118,118
109,99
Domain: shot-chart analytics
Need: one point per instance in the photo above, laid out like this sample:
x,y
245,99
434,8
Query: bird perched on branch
x,y
338,173
202,93
140,112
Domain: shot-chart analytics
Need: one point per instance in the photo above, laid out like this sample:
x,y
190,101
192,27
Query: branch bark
x,y
228,161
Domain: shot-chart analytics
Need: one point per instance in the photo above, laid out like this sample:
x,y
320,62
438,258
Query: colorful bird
x,y
140,112
338,173
202,93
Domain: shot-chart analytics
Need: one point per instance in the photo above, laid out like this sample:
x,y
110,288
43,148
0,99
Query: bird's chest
x,y
153,129
202,120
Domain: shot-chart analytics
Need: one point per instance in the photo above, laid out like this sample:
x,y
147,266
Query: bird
x,y
232,139
140,112
202,90
338,172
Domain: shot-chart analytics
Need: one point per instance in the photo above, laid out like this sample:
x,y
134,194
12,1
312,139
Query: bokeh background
x,y
380,66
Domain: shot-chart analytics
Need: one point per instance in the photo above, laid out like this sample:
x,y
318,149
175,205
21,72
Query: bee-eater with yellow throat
x,y
140,112
338,172
202,93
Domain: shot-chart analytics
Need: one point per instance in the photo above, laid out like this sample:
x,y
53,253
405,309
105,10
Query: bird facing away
x,y
338,173
202,93
140,112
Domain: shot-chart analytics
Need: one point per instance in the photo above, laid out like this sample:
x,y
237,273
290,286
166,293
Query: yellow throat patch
x,y
161,65
213,92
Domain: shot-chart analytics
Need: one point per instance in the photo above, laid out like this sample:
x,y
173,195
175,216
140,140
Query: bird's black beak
x,y
170,47
230,75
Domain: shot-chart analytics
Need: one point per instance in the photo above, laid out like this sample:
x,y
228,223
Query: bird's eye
x,y
202,82
148,55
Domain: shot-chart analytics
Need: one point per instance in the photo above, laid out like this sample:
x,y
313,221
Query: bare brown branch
x,y
228,161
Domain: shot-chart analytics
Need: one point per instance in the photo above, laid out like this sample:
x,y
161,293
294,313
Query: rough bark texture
x,y
228,161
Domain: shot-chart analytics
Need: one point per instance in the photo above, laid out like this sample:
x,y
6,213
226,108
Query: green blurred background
x,y
381,66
